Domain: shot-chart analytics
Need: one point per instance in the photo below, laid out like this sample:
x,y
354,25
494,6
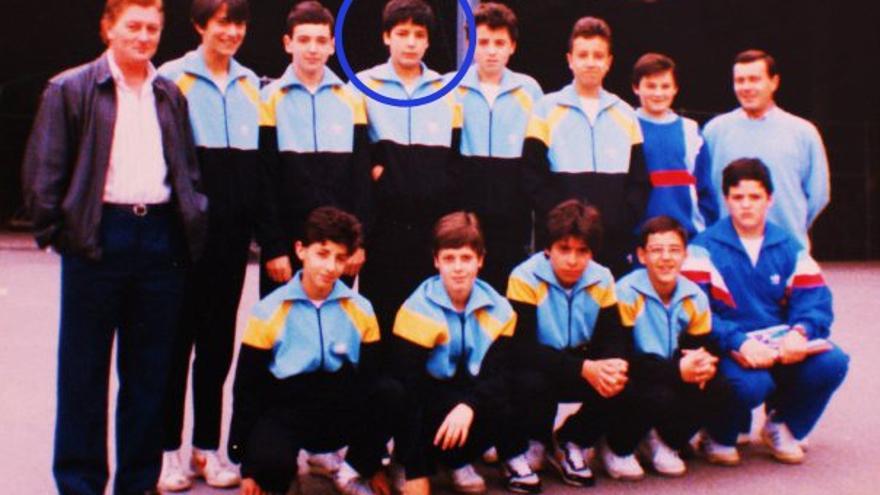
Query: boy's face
x,y
309,45
134,36
220,35
748,203
753,86
323,264
569,258
493,50
589,61
407,43
458,269
663,255
656,93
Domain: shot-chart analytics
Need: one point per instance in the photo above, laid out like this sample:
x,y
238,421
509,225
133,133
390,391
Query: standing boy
x,y
496,103
758,275
585,143
307,370
414,149
574,350
669,318
224,108
314,145
677,165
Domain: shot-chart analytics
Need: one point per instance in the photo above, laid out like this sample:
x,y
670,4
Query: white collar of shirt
x,y
667,117
119,78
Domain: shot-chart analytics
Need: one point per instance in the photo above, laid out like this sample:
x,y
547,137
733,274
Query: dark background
x,y
827,54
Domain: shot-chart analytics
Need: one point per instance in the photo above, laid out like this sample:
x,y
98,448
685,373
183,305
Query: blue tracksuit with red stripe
x,y
678,167
785,286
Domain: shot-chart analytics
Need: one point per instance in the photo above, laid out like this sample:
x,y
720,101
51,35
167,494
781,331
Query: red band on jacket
x,y
668,178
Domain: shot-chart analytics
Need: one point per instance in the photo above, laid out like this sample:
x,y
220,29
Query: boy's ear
x,y
641,255
300,250
386,38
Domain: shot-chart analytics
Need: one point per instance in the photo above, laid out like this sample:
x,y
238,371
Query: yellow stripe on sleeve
x,y
700,322
262,334
419,329
185,82
494,327
264,110
521,291
538,129
604,296
524,99
358,112
628,124
366,324
629,313
268,113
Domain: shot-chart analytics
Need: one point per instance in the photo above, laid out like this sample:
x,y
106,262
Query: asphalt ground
x,y
843,457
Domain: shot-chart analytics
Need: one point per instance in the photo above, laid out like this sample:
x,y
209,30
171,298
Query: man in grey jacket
x,y
110,181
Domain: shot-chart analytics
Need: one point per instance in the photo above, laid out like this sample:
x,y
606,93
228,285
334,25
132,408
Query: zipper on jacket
x,y
462,357
409,124
320,335
593,144
491,118
225,117
314,123
570,300
668,334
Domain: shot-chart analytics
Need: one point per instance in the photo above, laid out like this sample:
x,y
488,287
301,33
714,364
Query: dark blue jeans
x,y
132,293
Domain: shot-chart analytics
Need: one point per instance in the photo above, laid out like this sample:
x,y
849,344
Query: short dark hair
x,y
752,55
201,11
496,16
746,169
590,27
328,223
309,12
456,230
573,218
399,11
651,64
659,225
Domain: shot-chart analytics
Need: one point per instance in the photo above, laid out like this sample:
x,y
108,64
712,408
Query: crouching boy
x,y
451,341
671,325
307,373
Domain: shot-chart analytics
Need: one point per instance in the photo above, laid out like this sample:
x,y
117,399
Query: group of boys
x,y
336,185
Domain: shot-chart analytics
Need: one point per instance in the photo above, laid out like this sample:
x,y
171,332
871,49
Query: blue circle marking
x,y
440,93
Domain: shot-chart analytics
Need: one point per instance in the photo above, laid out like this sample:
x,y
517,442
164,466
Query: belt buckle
x,y
139,210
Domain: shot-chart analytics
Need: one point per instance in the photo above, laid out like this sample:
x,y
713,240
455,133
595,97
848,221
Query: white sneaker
x,y
535,455
174,476
782,444
665,460
325,464
621,467
466,480
519,477
569,462
214,469
716,453
349,482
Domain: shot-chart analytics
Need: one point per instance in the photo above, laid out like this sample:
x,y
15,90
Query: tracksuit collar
x,y
668,118
386,73
294,290
570,97
725,233
289,79
544,271
471,80
436,293
194,63
641,283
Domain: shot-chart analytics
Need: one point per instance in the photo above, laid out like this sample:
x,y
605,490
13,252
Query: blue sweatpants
x,y
797,393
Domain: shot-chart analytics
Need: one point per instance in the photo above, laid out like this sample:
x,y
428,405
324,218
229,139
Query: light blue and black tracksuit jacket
x,y
491,148
418,146
661,331
559,327
294,352
601,163
315,151
438,348
225,124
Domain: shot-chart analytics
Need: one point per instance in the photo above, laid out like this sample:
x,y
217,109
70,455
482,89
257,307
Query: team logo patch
x,y
775,279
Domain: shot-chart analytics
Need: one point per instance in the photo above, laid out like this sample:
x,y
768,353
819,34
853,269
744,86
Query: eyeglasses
x,y
660,250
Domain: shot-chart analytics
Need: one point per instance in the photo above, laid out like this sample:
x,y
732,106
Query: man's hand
x,y
279,269
697,366
380,483
250,487
607,376
792,347
755,354
455,428
355,262
377,172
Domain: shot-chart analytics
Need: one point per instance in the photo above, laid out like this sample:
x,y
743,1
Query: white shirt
x,y
490,91
591,108
752,247
137,170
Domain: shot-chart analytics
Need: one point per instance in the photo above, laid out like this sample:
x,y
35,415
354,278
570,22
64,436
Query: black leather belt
x,y
139,209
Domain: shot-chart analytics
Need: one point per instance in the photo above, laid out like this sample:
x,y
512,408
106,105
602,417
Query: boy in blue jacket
x,y
758,275
308,370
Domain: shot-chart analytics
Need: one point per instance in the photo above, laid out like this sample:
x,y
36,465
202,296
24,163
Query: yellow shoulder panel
x,y
494,327
629,313
358,112
524,99
628,124
419,329
185,82
521,291
700,322
366,324
262,334
604,296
